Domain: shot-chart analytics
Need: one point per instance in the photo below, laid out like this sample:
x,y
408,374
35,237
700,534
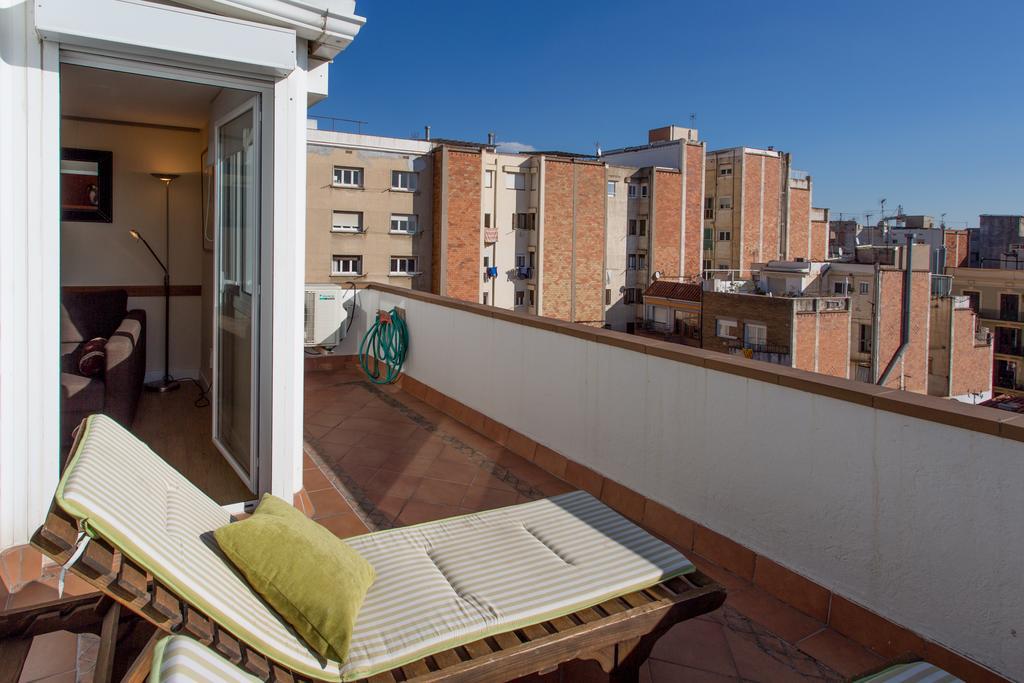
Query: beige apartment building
x,y
369,210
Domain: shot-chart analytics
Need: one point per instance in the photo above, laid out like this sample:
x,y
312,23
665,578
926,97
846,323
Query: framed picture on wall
x,y
86,185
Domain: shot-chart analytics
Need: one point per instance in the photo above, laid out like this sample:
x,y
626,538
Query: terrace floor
x,y
377,458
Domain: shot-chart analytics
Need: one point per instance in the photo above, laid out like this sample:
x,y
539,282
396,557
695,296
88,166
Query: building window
x,y
520,297
488,178
707,264
520,260
487,220
864,339
725,170
404,181
709,208
404,223
724,235
631,229
345,176
975,300
725,328
641,224
485,298
631,262
629,296
403,265
864,288
524,221
607,297
641,261
841,288
631,191
725,202
643,190
755,334
1009,307
611,188
347,221
723,266
533,296
533,258
515,181
346,265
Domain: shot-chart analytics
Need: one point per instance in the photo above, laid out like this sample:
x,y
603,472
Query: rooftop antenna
x,y
597,146
942,220
693,119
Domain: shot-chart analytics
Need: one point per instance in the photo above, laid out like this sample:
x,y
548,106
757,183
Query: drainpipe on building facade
x,y
905,320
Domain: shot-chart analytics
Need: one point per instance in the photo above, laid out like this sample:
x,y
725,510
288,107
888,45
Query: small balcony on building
x,y
768,353
844,518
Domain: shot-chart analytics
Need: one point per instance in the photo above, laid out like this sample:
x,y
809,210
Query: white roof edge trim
x,y
328,28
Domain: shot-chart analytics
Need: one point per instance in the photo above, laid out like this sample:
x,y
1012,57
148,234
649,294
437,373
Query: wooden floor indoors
x,y
180,432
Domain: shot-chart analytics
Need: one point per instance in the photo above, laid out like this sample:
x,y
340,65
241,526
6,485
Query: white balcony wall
x,y
918,521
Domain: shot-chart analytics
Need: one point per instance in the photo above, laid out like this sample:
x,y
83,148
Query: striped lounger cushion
x,y
915,672
177,659
438,585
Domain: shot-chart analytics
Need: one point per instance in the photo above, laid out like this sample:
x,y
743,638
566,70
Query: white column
x,y
29,274
289,265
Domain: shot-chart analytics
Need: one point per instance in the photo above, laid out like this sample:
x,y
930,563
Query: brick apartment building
x,y
846,319
758,208
995,295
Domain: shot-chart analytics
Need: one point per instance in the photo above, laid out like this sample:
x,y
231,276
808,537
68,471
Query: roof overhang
x,y
328,25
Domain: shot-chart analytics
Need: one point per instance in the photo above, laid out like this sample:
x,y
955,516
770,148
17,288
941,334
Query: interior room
x,y
138,201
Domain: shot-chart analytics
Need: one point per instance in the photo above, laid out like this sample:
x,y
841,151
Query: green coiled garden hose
x,y
385,344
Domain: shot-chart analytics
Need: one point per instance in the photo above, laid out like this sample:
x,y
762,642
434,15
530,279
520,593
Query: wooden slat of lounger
x,y
535,632
562,624
588,616
416,669
613,606
164,604
386,677
478,648
506,640
636,599
446,658
660,592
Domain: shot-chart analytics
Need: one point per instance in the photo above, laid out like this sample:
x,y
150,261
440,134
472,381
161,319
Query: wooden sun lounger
x,y
619,633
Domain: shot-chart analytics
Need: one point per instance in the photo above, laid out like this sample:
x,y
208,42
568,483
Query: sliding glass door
x,y
236,299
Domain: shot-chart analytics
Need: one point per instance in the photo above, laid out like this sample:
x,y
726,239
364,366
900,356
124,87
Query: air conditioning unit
x,y
325,315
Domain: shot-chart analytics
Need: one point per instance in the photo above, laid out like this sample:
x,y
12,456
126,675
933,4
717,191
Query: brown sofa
x,y
115,392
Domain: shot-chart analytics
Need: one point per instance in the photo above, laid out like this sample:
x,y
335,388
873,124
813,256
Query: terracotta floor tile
x,y
485,479
392,443
323,419
455,472
759,657
390,506
415,465
333,452
772,613
32,593
700,644
314,430
344,525
392,484
367,457
439,492
838,652
328,503
315,480
307,462
343,436
50,654
666,672
416,511
479,498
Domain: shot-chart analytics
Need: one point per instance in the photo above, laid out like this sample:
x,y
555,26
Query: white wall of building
x,y
916,520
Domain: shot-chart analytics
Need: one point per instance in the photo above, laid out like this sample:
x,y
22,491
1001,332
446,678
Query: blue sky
x,y
921,103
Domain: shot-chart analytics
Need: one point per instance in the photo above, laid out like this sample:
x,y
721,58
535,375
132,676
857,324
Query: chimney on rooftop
x,y
490,139
426,132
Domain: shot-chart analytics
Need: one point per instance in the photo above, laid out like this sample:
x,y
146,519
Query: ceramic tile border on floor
x,y
839,613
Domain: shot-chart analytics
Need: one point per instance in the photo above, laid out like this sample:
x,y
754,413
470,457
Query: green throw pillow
x,y
312,578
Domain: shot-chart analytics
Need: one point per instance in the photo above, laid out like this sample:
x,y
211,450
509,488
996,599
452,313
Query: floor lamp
x,y
167,382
